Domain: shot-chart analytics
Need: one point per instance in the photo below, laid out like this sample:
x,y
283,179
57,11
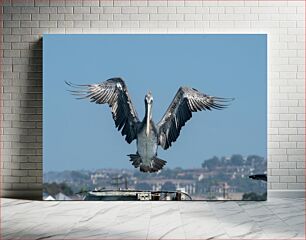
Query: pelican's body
x,y
148,135
147,144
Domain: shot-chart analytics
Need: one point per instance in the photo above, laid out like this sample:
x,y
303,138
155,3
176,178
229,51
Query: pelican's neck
x,y
148,117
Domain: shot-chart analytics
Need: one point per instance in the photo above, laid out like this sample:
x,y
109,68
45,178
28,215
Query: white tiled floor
x,y
274,219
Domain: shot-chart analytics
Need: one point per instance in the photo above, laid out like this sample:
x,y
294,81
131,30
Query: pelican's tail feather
x,y
157,164
135,159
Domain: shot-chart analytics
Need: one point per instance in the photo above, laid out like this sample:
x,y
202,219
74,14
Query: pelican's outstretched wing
x,y
186,101
113,92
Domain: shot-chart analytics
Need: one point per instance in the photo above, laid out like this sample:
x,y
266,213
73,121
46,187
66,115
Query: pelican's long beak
x,y
148,120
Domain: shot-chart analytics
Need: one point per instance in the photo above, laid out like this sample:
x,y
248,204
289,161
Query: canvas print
x,y
153,117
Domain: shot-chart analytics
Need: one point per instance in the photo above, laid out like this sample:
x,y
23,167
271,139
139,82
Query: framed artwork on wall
x,y
155,117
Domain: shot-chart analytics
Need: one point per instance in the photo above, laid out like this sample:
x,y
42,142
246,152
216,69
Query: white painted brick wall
x,y
24,21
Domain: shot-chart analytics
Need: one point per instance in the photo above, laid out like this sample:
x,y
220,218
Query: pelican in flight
x,y
147,134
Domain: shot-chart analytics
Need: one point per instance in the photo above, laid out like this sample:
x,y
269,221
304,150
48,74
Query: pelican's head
x,y
149,98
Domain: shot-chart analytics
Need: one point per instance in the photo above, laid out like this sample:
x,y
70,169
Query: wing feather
x,y
114,93
186,101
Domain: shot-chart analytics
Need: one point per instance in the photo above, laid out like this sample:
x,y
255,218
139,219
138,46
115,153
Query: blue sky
x,y
78,134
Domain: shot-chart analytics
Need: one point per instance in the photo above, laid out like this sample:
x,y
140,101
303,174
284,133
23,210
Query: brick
x,y
221,24
295,152
11,10
227,17
296,186
210,17
73,17
57,3
195,3
242,10
300,145
49,10
288,131
64,24
91,16
21,31
25,16
166,9
35,173
260,10
147,9
41,3
185,24
272,130
10,179
176,17
140,17
82,24
98,24
287,165
273,165
242,24
252,17
300,179
121,17
106,3
280,186
280,172
161,17
148,24
296,172
6,31
111,10
193,17
96,10
202,10
300,164
277,152
231,3
185,10
91,3
64,10
47,24
129,10
296,124
287,179
288,116
20,46
158,3
38,32
287,24
130,24
56,17
11,53
21,186
74,3
7,17
30,10
19,173
264,24
11,24
296,45
23,3
40,16
105,17
138,3
28,179
81,10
